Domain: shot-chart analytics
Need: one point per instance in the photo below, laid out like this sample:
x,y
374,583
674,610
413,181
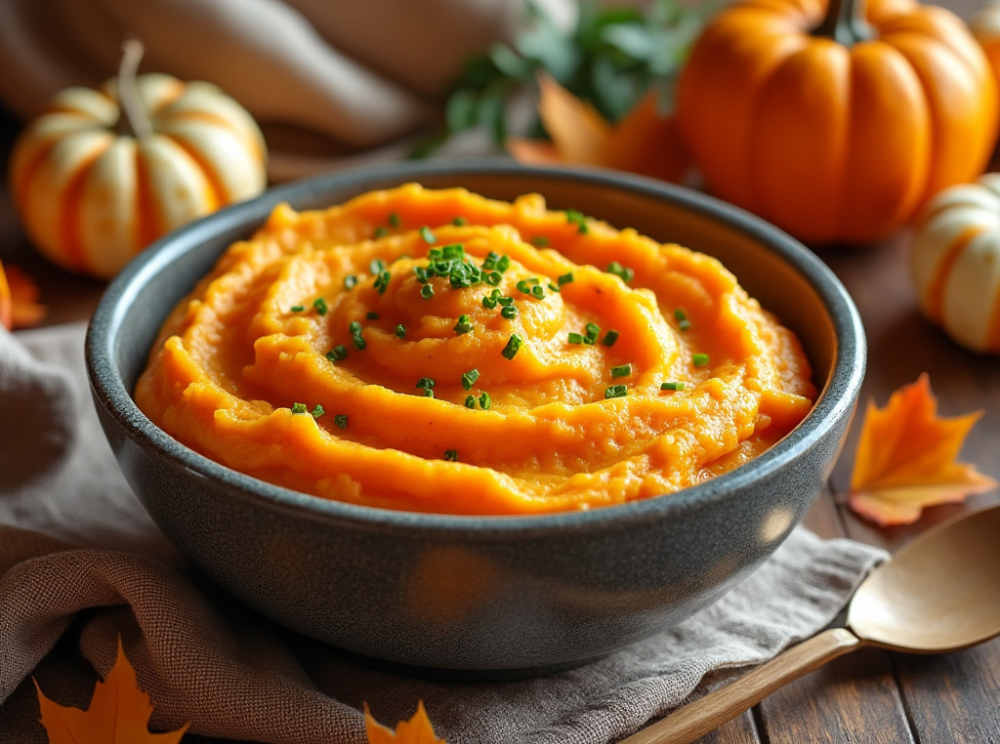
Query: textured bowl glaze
x,y
479,596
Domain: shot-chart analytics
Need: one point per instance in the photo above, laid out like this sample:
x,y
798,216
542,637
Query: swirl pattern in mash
x,y
436,351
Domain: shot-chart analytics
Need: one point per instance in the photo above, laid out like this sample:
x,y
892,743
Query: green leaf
x,y
460,112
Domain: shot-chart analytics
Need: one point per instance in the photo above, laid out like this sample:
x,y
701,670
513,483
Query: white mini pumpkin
x,y
92,193
956,263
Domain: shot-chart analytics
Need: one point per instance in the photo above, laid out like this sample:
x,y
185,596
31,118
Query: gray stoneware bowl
x,y
483,596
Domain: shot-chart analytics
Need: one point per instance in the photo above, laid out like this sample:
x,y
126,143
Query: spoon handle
x,y
711,711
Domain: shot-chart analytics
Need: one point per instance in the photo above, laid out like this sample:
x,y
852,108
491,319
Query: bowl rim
x,y
124,290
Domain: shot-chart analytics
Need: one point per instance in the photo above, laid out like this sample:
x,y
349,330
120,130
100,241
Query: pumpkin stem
x,y
134,120
844,23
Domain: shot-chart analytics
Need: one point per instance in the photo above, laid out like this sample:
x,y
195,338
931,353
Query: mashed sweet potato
x,y
436,351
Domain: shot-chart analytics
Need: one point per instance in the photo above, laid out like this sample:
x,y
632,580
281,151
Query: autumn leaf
x,y
118,714
417,730
644,141
906,456
19,306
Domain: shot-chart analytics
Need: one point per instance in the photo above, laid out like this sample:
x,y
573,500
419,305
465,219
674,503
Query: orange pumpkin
x,y
95,182
834,128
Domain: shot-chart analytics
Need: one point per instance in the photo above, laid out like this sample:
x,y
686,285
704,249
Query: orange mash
x,y
436,351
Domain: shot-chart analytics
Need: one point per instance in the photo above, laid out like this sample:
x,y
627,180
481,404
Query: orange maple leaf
x,y
118,714
644,141
906,455
19,306
417,730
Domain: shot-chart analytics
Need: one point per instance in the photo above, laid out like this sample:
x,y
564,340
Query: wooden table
x,y
871,695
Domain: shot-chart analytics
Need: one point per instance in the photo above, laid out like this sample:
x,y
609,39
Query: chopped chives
x,y
524,286
458,221
299,408
337,353
451,455
350,281
616,391
428,235
469,378
470,401
359,342
623,370
372,315
513,344
463,326
317,411
297,308
577,218
540,241
622,272
394,219
320,304
340,420
700,360
574,338
493,278
672,386
503,263
490,262
506,301
355,328
684,324
609,338
489,302
381,232
425,382
509,312
565,278
382,281
593,331
484,401
682,319
427,291
553,288
376,266
538,292
401,330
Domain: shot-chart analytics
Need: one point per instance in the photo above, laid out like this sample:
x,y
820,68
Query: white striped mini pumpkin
x,y
91,197
956,263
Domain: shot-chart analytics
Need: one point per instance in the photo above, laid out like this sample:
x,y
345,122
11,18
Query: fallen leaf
x,y
644,141
19,306
118,714
417,730
906,456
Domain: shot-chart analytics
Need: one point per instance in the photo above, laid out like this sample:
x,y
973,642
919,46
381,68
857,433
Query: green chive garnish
x,y
428,235
401,331
372,315
623,370
340,420
538,292
574,338
337,354
427,291
297,308
470,401
513,344
565,278
350,281
458,221
484,401
623,272
299,408
524,286
672,386
463,326
426,383
682,320
394,219
317,411
509,312
700,360
503,264
616,391
469,378
577,218
382,281
593,331
489,302
540,241
320,304
609,338
380,232
451,455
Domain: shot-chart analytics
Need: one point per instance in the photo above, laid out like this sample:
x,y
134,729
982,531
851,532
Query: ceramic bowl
x,y
483,596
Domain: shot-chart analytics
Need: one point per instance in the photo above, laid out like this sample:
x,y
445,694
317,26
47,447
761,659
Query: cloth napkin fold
x,y
81,564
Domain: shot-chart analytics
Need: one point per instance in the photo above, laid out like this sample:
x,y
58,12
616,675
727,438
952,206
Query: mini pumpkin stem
x,y
844,23
134,120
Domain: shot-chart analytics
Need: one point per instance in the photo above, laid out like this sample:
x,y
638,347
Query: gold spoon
x,y
939,593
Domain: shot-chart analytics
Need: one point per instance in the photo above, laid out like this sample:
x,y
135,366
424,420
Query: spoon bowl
x,y
939,593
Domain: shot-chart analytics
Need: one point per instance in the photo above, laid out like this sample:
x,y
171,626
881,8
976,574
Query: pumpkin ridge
x,y
218,120
147,224
69,215
218,195
935,292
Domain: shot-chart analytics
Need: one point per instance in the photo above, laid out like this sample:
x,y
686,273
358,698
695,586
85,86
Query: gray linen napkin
x,y
205,659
